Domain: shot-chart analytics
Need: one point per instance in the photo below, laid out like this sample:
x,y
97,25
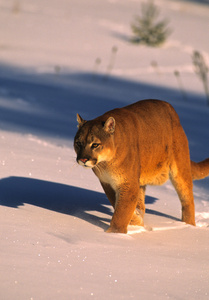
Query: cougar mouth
x,y
87,163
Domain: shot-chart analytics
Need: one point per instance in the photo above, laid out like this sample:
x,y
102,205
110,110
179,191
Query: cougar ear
x,y
109,125
80,121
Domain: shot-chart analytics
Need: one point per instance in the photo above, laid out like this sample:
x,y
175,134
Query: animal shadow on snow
x,y
66,199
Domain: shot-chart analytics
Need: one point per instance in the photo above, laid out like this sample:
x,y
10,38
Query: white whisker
x,y
74,165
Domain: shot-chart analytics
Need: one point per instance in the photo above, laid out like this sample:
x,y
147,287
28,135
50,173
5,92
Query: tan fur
x,y
131,147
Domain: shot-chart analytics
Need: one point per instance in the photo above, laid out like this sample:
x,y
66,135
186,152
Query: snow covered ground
x,y
55,59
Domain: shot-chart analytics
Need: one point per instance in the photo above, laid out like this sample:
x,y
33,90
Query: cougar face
x,y
93,143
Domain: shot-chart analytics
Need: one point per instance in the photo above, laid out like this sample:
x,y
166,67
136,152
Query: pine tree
x,y
147,29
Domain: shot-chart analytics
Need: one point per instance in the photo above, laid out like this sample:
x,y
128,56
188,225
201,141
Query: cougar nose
x,y
84,160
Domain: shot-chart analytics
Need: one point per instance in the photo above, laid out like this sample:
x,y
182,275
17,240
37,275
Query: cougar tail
x,y
200,170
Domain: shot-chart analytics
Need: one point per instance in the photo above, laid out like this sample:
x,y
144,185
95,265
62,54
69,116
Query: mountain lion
x,y
131,147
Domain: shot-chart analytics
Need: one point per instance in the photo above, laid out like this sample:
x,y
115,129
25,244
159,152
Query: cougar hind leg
x,y
183,184
180,172
138,216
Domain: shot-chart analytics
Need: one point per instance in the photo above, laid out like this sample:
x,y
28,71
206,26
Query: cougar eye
x,y
95,145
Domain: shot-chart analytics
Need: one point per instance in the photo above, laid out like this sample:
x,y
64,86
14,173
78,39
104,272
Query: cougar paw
x,y
137,220
112,229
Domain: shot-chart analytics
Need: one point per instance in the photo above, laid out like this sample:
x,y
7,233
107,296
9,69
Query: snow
x,y
54,62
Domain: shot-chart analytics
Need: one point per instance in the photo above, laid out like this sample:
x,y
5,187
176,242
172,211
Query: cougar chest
x,y
107,177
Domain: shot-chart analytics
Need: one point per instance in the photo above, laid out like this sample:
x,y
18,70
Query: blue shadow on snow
x,y
65,199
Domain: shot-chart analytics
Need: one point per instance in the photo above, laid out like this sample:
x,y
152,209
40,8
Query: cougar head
x,y
94,141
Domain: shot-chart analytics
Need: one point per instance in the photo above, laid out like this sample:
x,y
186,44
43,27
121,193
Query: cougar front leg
x,y
110,193
126,201
138,216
